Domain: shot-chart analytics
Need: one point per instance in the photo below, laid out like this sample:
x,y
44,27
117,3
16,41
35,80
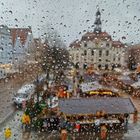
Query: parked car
x,y
24,94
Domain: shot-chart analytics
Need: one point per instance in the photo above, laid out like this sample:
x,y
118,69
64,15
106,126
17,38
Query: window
x,y
84,66
85,44
107,53
107,45
85,52
77,56
92,52
100,53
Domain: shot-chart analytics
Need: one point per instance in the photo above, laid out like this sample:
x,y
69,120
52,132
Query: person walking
x,y
63,134
26,121
103,132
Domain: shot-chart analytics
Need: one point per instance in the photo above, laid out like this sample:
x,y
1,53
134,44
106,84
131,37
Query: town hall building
x,y
98,49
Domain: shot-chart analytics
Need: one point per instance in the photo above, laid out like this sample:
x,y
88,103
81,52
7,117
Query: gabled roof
x,y
134,47
117,44
112,105
75,44
96,36
4,29
22,33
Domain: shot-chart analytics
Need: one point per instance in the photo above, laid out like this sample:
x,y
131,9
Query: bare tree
x,y
132,59
55,57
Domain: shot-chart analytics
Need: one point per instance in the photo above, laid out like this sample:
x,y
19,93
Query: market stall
x,y
94,88
92,114
63,92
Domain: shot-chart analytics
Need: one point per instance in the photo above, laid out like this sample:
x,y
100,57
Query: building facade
x,y
5,45
22,40
98,49
133,56
6,50
16,48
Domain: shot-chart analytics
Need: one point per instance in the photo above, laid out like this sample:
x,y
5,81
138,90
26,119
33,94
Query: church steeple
x,y
98,22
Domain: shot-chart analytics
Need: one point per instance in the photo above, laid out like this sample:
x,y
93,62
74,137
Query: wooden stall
x,y
88,114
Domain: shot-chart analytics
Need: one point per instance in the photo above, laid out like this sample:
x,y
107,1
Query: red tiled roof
x,y
117,44
75,44
134,47
22,33
104,34
96,37
93,36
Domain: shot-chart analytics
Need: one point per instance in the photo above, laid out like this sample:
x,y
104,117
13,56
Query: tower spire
x,y
98,22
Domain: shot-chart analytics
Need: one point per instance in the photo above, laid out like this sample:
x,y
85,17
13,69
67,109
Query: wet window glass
x,y
69,69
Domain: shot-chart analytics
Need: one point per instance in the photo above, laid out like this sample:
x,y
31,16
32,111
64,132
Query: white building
x,y
22,40
5,50
97,48
5,45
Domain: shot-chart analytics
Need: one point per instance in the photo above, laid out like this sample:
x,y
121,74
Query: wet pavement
x,y
7,89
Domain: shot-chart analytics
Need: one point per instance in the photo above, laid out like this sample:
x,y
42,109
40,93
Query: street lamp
x,y
37,88
38,85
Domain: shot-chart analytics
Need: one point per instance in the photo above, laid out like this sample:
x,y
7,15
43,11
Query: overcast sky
x,y
72,18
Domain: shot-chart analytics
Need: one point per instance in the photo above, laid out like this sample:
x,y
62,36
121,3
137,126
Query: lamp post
x,y
37,87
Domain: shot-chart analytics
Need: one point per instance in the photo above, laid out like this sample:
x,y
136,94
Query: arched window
x,y
92,52
85,52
